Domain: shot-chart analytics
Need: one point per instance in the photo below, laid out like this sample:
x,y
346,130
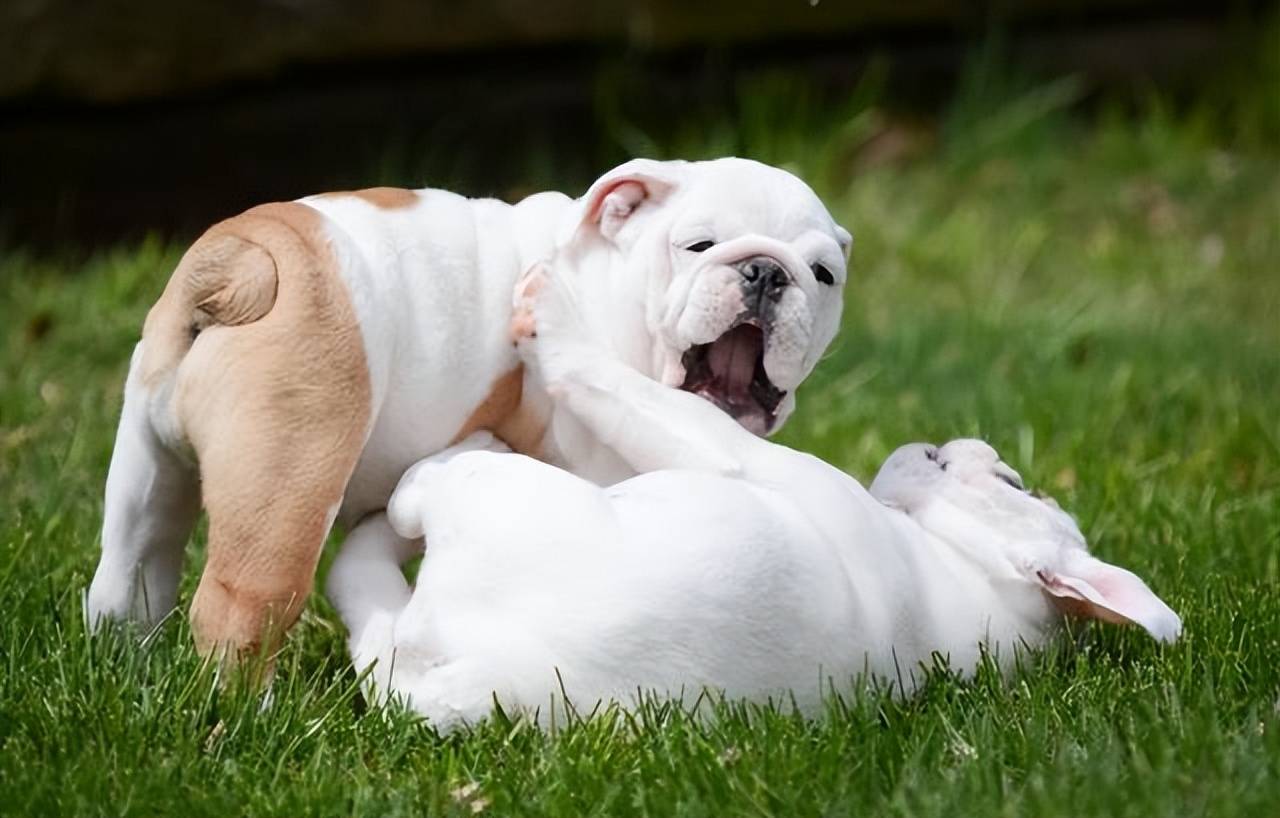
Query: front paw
x,y
524,324
547,326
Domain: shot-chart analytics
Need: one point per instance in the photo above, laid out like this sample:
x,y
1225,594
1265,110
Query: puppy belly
x,y
421,420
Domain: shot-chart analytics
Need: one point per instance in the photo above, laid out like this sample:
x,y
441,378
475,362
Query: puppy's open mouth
x,y
729,372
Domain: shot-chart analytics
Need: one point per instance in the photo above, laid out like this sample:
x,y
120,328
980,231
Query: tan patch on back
x,y
387,198
504,413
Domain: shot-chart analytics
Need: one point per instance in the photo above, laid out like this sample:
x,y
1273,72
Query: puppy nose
x,y
760,269
764,274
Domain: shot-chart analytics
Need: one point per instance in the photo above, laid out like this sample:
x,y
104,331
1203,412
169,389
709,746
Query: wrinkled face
x,y
753,289
740,270
975,462
963,490
755,300
965,471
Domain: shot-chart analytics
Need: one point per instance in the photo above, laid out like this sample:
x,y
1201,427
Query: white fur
x,y
734,564
431,286
152,499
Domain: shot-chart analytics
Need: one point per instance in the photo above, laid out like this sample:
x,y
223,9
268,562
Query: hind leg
x,y
269,515
152,500
257,338
277,442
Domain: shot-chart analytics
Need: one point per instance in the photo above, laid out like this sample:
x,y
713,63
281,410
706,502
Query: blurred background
x,y
122,118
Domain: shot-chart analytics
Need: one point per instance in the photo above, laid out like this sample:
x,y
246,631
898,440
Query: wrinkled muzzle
x,y
745,330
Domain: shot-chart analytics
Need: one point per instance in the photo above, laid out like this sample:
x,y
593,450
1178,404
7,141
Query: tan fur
x,y
222,279
273,395
387,198
503,398
523,430
504,413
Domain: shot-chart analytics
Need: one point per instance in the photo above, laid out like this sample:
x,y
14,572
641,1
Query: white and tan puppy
x,y
733,563
305,353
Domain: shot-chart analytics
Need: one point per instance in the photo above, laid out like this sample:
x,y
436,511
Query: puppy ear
x,y
845,240
1089,588
612,199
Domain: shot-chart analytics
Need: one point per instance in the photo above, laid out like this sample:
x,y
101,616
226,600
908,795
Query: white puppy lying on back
x,y
731,563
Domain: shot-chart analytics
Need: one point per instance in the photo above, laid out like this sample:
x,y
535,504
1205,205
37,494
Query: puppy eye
x,y
823,274
701,246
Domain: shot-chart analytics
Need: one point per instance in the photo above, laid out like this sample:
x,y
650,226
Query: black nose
x,y
764,275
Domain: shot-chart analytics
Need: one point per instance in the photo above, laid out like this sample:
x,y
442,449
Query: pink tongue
x,y
733,359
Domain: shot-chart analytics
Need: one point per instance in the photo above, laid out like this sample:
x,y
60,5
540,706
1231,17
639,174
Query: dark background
x,y
119,119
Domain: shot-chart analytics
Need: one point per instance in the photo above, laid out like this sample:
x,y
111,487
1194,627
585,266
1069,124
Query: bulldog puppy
x,y
304,354
730,563
961,494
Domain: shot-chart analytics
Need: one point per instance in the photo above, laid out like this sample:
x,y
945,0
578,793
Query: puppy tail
x,y
224,279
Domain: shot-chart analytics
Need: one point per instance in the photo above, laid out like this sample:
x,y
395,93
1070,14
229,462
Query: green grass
x,y
1097,295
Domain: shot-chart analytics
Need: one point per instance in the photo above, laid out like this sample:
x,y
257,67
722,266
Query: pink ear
x,y
611,211
1090,588
617,194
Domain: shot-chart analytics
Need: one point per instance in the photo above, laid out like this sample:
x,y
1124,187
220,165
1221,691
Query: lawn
x,y
1093,286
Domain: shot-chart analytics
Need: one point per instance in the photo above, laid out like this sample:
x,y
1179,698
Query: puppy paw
x,y
548,328
524,325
